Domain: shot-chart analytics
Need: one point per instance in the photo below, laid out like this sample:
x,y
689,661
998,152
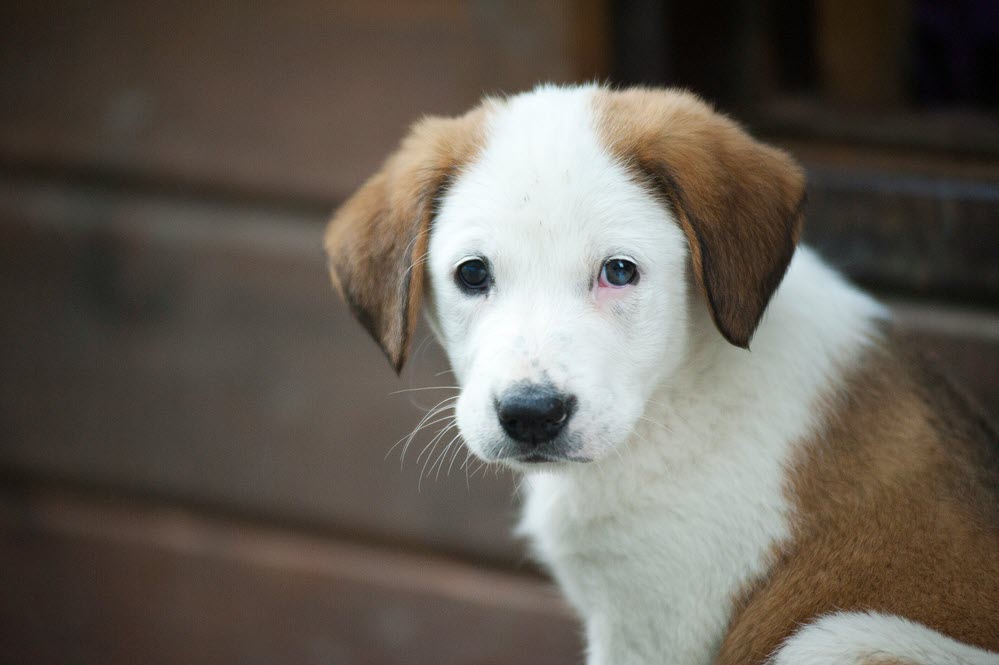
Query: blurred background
x,y
193,433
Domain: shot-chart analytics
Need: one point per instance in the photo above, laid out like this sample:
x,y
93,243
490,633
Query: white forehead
x,y
544,172
541,141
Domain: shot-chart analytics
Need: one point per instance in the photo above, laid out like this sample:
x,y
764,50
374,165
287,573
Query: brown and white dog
x,y
595,264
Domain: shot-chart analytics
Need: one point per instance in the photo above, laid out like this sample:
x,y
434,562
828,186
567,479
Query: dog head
x,y
561,241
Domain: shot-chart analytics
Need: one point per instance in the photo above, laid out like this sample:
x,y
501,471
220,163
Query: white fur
x,y
865,638
689,436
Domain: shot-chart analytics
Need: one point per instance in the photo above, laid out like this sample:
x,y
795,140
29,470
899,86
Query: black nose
x,y
534,413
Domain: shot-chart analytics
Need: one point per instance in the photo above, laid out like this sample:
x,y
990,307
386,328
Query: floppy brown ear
x,y
377,241
739,202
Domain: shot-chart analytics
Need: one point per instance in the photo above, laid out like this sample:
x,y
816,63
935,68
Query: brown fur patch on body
x,y
377,241
896,511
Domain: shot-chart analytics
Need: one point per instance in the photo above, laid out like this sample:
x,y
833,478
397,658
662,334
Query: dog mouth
x,y
547,458
560,450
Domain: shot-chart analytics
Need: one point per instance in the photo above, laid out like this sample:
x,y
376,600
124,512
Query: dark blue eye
x,y
619,272
473,275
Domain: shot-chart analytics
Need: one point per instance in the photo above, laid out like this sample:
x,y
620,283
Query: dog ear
x,y
377,241
740,203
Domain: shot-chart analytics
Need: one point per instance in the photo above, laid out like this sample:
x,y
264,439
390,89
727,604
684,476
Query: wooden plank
x,y
195,350
299,98
927,236
963,134
96,581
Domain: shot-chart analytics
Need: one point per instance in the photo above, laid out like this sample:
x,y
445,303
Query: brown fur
x,y
739,202
897,511
377,241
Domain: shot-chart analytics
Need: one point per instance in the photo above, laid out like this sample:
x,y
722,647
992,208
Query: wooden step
x,y
93,580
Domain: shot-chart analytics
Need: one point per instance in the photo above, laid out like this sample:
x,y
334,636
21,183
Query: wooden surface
x,y
929,236
89,580
294,99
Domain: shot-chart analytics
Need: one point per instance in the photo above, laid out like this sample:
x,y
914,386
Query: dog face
x,y
582,304
566,235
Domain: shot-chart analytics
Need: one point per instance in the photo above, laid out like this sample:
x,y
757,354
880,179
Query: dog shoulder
x,y
896,512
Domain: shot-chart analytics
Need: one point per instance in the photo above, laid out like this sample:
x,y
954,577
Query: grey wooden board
x,y
91,581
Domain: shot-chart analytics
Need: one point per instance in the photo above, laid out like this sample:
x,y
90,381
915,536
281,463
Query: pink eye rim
x,y
617,273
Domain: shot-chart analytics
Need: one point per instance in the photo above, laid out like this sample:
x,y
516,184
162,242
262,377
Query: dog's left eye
x,y
618,273
473,275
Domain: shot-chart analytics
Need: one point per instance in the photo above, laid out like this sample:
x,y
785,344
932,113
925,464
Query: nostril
x,y
534,413
557,413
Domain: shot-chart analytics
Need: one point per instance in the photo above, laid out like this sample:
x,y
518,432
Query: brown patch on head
x,y
896,511
377,241
739,202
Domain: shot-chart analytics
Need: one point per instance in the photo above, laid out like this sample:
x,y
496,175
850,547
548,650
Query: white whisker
x,y
403,438
440,467
434,411
654,422
432,442
455,455
413,390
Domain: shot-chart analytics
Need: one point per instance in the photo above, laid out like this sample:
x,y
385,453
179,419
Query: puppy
x,y
729,458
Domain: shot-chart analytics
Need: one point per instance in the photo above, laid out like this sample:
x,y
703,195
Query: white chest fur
x,y
654,580
652,546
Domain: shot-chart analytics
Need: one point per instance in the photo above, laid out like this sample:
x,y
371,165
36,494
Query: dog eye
x,y
618,272
473,275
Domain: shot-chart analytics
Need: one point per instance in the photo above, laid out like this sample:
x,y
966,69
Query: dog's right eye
x,y
473,275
